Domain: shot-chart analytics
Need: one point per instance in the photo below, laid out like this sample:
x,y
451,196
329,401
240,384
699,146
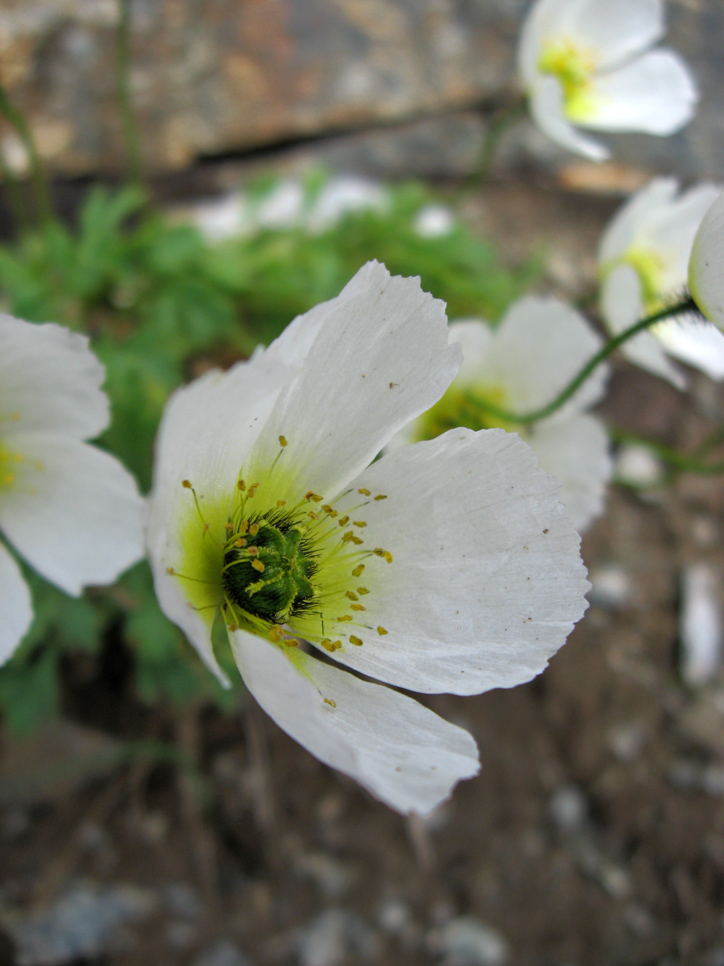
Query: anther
x,y
330,646
186,484
258,565
229,527
357,641
332,704
357,572
359,523
282,441
254,529
343,521
344,617
170,571
362,590
281,502
351,595
241,485
357,607
253,488
291,642
364,491
240,542
311,495
244,526
380,496
381,631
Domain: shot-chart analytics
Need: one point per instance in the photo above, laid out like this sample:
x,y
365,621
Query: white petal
x,y
546,106
74,512
371,359
614,29
486,579
475,337
695,342
576,452
206,434
15,605
672,230
621,307
49,381
536,350
400,751
655,94
706,265
624,228
340,197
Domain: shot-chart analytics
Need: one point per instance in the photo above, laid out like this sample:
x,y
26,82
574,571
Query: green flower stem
x,y
14,196
123,66
502,119
680,461
37,173
686,305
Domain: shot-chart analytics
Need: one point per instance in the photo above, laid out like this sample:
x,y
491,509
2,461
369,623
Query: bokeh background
x,y
150,823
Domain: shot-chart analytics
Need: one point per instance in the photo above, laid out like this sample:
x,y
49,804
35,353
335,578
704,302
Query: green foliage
x,y
160,304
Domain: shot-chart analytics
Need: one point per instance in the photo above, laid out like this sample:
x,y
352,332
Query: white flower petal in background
x,y
404,754
15,605
466,553
706,265
643,257
434,221
576,451
341,196
521,365
637,466
587,62
700,625
51,381
72,511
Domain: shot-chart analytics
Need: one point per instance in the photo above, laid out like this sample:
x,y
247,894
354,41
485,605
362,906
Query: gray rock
x,y
465,941
222,953
86,922
334,936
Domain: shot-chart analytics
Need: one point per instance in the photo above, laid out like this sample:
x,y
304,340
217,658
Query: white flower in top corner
x,y
443,566
588,63
706,265
521,365
643,258
69,509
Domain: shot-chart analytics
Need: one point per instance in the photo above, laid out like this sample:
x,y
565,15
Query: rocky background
x,y
226,77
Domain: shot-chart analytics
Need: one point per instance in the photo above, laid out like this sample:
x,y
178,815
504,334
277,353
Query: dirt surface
x,y
593,835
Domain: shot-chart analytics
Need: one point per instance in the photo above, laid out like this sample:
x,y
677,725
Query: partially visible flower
x,y
706,265
588,63
71,510
434,221
643,257
341,196
521,365
443,566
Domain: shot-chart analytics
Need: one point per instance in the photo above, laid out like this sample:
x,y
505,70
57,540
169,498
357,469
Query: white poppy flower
x,y
706,265
588,63
521,365
72,511
444,566
643,257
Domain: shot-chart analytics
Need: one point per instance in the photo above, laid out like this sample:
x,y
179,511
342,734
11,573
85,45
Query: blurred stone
x,y
465,941
700,626
222,953
329,874
86,922
568,808
611,586
334,936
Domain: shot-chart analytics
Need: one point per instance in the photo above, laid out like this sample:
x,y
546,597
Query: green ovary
x,y
464,406
573,67
650,269
276,581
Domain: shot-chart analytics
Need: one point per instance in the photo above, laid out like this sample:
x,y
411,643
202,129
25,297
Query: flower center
x,y
465,406
8,466
573,67
650,268
268,568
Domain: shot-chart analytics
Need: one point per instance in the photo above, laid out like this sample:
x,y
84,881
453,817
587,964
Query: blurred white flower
x,y
71,510
443,566
589,63
706,265
341,196
521,365
433,221
643,257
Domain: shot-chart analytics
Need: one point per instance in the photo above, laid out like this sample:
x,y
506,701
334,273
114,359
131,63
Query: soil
x,y
594,835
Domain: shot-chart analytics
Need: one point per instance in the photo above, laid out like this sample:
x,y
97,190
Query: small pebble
x,y
700,626
611,586
465,941
568,808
